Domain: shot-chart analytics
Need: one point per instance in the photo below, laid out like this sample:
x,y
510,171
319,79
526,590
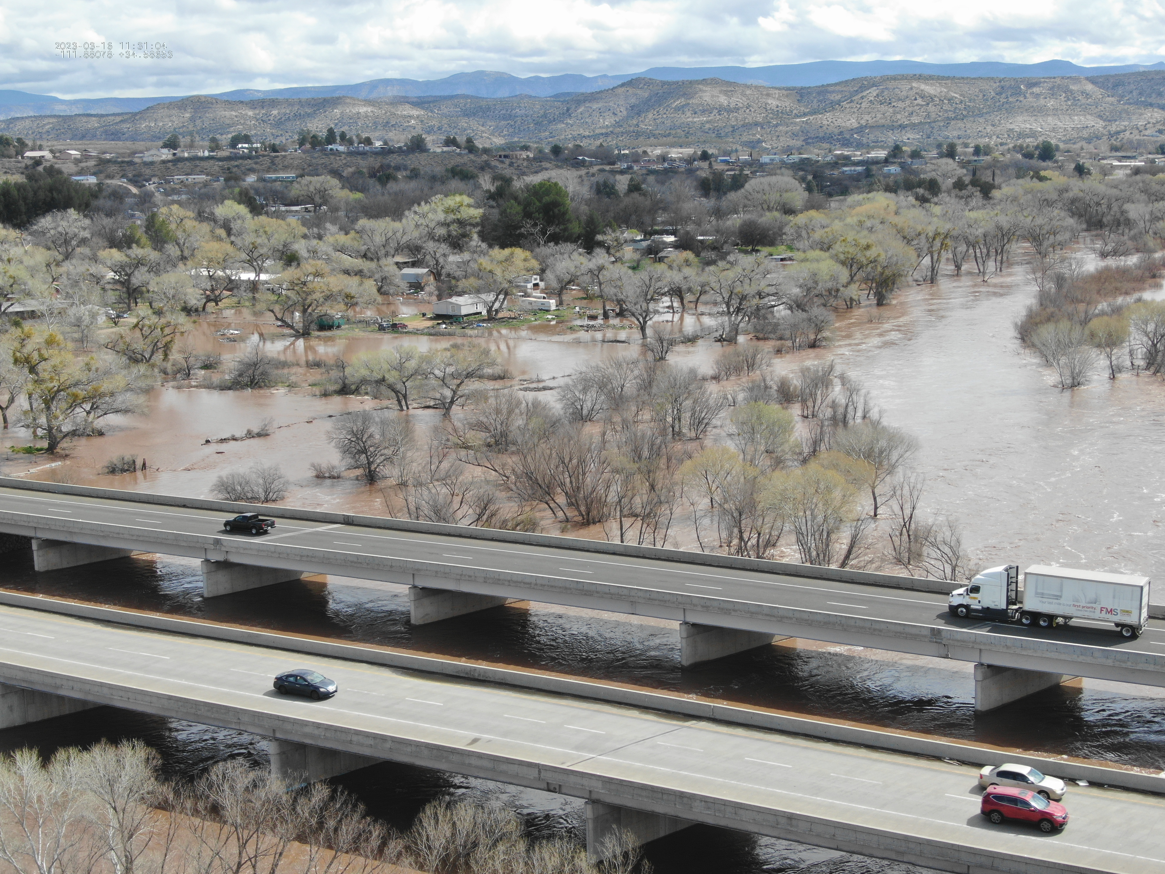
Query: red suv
x,y
1004,802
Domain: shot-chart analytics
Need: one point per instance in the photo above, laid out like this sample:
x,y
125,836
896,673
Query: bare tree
x,y
454,370
44,810
371,441
886,449
261,484
253,369
1064,345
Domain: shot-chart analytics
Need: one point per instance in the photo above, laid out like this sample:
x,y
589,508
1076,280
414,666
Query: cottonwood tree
x,y
816,503
67,395
743,287
371,442
764,435
64,231
260,484
395,372
42,808
129,272
261,241
310,290
318,191
731,499
1064,345
1109,335
637,292
24,273
454,370
152,335
884,448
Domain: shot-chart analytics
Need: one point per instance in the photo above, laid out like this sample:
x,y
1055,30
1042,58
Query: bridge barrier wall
x,y
791,822
705,709
841,575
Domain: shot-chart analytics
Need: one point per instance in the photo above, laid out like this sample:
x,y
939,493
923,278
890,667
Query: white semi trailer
x,y
1052,596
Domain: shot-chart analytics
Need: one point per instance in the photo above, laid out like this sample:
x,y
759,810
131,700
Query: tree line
x,y
107,809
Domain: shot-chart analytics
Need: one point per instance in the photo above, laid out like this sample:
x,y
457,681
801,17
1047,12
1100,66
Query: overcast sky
x,y
219,45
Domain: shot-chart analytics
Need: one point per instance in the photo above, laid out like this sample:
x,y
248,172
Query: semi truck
x,y
1051,596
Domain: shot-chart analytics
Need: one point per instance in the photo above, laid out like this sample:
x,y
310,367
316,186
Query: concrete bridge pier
x,y
53,555
300,764
605,821
21,706
227,577
996,686
433,605
705,643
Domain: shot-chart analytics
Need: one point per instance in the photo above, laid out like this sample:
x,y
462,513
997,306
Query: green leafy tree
x,y
1046,151
417,143
471,146
330,137
951,150
172,142
66,395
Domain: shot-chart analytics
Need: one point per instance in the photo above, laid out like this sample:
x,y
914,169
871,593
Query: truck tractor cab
x,y
993,594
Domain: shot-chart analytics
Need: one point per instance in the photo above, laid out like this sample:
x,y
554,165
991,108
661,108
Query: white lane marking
x,y
663,743
252,673
423,701
860,779
50,510
855,606
447,555
573,570
524,718
767,762
139,652
344,543
698,586
966,798
1154,643
151,521
580,728
366,692
29,633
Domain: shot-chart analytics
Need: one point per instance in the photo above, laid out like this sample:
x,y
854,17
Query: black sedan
x,y
306,682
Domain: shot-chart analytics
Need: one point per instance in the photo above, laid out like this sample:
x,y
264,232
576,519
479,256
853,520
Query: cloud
x,y
219,45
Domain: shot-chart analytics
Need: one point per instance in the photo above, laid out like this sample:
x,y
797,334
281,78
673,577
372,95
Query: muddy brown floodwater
x,y
1033,474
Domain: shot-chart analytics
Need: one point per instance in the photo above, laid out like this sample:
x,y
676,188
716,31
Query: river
x,y
1033,475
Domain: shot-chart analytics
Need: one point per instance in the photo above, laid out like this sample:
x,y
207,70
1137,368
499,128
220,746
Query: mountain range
x,y
492,84
863,112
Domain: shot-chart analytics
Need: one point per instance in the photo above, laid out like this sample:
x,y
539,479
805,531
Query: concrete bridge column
x,y
21,706
704,643
226,577
433,605
53,555
605,821
299,764
996,686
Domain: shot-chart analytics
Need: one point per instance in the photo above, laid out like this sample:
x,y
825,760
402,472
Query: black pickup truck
x,y
252,522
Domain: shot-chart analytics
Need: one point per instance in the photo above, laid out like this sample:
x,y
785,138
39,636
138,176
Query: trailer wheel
x,y
961,611
1129,631
1046,622
1026,619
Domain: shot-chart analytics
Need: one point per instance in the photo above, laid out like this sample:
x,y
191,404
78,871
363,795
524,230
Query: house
x,y
416,278
458,308
39,153
516,155
85,180
279,177
891,171
69,155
